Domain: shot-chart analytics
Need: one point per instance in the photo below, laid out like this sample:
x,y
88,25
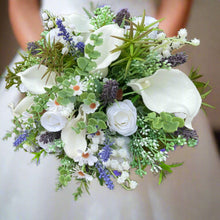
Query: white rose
x,y
53,121
122,117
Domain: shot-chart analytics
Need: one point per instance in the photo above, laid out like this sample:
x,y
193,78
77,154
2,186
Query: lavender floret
x,y
21,138
176,59
117,173
106,152
63,31
104,173
80,46
187,133
33,48
121,15
109,92
49,137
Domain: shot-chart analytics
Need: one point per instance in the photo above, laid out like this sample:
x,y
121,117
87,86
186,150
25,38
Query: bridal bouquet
x,y
102,94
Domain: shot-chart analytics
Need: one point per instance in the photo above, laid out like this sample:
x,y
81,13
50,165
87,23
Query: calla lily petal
x,y
109,44
33,81
73,141
169,91
79,24
23,105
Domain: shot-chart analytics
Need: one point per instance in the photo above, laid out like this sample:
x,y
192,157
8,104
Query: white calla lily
x,y
73,141
109,44
169,91
79,24
33,81
23,105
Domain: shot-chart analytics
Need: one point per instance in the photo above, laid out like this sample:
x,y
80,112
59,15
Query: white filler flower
x,y
53,121
169,91
122,117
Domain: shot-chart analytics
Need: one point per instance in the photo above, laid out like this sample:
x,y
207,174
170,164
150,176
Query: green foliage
x,y
82,187
136,45
12,78
168,122
165,168
85,65
103,16
37,155
65,172
192,142
203,87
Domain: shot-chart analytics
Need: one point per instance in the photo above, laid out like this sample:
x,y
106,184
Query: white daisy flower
x,y
26,116
88,109
79,87
79,174
53,105
85,158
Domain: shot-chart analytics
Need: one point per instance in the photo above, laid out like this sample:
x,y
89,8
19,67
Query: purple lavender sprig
x,y
104,173
106,151
187,133
33,48
63,31
121,15
49,137
176,59
21,138
109,92
80,46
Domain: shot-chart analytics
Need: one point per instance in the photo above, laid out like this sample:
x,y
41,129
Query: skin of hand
x,y
25,20
175,14
27,25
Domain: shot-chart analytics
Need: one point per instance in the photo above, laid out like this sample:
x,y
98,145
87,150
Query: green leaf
x,y
66,83
89,48
81,125
179,120
101,124
99,115
82,63
94,54
157,123
91,129
91,65
91,96
160,177
92,122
